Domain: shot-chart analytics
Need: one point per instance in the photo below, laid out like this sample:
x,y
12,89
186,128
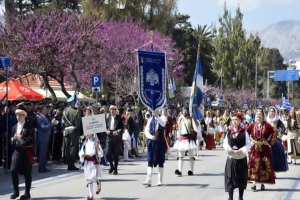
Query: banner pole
x,y
151,41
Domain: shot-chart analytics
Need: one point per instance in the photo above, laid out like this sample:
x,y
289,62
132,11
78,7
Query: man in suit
x,y
22,159
115,126
44,127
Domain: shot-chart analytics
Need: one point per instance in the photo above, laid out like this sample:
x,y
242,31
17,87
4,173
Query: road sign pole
x,y
97,98
293,92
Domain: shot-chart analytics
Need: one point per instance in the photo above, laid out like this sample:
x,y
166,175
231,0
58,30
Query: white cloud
x,y
247,5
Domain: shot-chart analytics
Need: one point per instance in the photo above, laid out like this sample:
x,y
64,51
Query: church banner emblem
x,y
152,78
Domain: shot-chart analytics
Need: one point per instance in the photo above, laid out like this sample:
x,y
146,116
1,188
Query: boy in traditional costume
x,y
154,132
90,156
187,128
237,144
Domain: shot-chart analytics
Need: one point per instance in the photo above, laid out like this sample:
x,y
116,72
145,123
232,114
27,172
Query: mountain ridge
x,y
284,35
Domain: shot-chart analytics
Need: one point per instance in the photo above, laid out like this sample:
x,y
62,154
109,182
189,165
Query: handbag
x,y
69,129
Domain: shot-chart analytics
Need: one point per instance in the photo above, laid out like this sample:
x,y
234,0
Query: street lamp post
x,y
171,62
268,81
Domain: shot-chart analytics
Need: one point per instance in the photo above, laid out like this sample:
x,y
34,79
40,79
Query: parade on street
x,y
149,99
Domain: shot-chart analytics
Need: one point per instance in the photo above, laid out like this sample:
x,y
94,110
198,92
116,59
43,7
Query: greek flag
x,y
286,104
197,92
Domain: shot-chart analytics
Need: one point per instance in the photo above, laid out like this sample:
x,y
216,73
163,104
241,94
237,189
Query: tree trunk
x,y
77,86
46,82
9,10
62,84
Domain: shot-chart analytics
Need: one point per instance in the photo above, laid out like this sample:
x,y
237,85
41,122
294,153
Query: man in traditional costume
x,y
278,154
90,158
168,130
115,128
22,158
236,144
187,127
260,166
293,146
156,145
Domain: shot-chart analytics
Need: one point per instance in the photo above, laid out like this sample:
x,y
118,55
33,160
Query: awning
x,y
62,97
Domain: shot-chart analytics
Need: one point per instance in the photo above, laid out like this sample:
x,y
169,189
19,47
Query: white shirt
x,y
19,127
183,128
112,123
147,128
244,149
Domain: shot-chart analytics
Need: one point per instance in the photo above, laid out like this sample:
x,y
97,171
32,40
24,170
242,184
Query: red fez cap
x,y
239,115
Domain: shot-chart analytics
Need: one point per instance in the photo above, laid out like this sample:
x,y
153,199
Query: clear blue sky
x,y
258,14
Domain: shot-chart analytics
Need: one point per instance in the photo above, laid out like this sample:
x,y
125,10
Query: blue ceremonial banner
x,y
197,92
152,78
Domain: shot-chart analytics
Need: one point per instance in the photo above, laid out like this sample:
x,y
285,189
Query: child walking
x,y
90,156
126,141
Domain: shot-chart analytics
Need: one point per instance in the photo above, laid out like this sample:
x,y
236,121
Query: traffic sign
x,y
96,83
221,97
286,75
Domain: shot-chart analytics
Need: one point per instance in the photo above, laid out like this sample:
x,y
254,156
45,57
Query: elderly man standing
x,y
72,118
22,159
115,127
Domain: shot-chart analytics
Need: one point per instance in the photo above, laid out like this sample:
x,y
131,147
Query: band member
x,y
187,127
156,145
260,166
115,128
22,158
236,144
278,154
90,156
168,130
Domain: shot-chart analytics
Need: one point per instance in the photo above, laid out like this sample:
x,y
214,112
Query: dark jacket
x,y
118,126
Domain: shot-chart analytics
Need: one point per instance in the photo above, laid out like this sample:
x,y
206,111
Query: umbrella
x,y
17,91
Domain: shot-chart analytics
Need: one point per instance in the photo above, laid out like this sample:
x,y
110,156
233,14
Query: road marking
x,y
289,194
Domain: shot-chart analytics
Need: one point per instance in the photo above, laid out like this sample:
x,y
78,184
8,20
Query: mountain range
x,y
285,36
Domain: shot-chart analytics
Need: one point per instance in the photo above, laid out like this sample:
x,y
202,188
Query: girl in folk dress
x,y
126,141
210,140
90,155
293,147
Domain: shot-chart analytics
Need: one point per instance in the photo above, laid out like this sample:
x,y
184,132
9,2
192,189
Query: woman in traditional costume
x,y
217,124
236,144
293,147
210,140
260,166
278,154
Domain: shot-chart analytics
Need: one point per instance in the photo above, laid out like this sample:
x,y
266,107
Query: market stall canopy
x,y
18,91
62,97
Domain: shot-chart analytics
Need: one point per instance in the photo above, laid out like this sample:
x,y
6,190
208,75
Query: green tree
x,y
235,54
187,39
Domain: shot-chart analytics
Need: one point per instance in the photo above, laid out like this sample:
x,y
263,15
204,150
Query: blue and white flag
x,y
152,78
286,104
197,92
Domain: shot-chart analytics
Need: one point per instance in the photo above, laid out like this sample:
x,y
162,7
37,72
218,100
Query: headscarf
x,y
276,117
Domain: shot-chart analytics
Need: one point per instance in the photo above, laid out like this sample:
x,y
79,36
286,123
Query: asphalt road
x,y
206,184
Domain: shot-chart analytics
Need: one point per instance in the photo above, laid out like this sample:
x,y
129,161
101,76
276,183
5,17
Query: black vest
x,y
239,141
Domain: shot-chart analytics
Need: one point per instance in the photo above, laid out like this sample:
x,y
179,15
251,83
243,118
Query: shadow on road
x,y
45,198
187,185
290,178
283,190
117,180
118,198
209,174
134,174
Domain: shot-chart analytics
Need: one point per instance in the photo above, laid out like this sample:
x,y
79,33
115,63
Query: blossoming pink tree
x,y
71,48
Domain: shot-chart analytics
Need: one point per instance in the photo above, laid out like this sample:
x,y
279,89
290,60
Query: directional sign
x,y
96,83
286,75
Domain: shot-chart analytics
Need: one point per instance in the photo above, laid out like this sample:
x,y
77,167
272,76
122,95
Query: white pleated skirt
x,y
91,171
185,145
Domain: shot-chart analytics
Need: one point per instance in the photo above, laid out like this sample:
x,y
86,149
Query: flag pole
x,y
151,41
